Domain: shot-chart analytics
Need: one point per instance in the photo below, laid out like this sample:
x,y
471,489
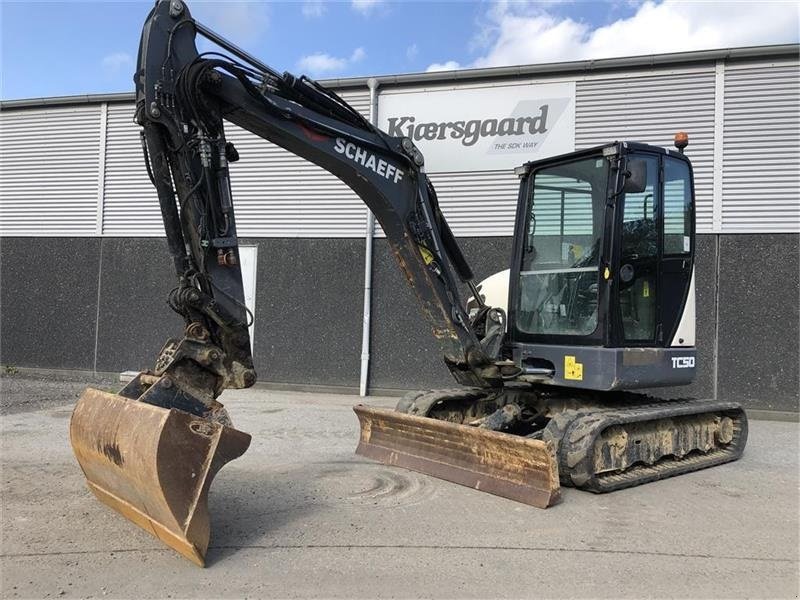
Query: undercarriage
x,y
599,442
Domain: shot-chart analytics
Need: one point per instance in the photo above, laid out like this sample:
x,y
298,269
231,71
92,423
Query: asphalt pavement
x,y
299,515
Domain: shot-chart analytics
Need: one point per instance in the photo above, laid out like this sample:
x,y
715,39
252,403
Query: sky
x,y
65,48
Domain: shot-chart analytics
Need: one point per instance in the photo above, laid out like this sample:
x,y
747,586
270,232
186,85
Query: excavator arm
x,y
183,101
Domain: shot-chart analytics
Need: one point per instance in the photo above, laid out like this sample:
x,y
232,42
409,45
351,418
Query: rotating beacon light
x,y
681,140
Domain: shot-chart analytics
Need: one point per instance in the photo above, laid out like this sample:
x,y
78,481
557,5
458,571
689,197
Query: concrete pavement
x,y
299,515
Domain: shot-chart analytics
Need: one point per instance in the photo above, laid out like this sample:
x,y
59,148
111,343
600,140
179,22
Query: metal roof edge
x,y
604,64
66,100
463,75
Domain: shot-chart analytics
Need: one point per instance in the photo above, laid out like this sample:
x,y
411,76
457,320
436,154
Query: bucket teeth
x,y
153,465
518,468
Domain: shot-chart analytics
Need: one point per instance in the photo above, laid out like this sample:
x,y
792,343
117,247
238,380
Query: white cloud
x,y
358,55
313,9
116,62
322,63
240,22
450,65
412,51
520,33
365,7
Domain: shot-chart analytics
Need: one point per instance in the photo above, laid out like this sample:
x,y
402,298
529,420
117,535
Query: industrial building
x,y
85,271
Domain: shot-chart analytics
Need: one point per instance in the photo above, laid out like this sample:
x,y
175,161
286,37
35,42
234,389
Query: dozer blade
x,y
152,465
514,467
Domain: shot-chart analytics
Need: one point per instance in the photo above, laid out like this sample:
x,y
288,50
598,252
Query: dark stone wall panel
x,y
135,319
48,295
759,320
309,310
405,354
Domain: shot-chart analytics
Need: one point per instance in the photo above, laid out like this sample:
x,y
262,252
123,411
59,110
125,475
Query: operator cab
x,y
601,291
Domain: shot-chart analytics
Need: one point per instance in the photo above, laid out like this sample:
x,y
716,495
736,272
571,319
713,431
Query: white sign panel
x,y
483,129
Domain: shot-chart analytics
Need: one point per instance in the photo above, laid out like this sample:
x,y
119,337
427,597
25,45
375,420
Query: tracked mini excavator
x,y
598,302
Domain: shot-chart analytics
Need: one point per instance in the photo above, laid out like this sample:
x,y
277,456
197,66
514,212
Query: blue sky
x,y
62,48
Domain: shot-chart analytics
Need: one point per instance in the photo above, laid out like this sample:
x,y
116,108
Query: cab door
x,y
678,235
655,251
638,285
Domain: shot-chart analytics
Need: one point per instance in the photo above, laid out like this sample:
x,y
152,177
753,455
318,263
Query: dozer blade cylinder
x,y
152,465
518,468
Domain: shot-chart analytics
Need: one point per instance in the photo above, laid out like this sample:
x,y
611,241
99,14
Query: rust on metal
x,y
514,467
153,465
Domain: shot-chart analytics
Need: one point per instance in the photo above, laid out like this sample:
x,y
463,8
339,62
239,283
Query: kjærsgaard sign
x,y
483,129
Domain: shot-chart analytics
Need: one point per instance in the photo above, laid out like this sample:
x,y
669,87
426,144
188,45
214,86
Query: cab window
x,y
558,286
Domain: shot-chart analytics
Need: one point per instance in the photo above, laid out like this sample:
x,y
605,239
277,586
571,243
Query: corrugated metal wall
x,y
53,159
49,175
277,194
761,148
131,203
651,109
478,203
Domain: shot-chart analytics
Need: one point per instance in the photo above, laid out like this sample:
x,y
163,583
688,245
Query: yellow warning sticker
x,y
573,369
427,255
645,289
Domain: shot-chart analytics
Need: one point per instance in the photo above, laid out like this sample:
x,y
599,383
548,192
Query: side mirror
x,y
635,176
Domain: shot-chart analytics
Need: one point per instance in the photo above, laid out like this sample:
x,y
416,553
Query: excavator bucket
x,y
514,467
153,465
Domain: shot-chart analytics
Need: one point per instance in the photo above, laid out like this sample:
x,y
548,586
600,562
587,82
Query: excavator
x,y
552,357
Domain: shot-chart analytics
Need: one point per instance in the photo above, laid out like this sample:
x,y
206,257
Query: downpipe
x,y
369,236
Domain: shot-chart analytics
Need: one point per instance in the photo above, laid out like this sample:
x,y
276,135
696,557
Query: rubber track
x,y
421,402
578,438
